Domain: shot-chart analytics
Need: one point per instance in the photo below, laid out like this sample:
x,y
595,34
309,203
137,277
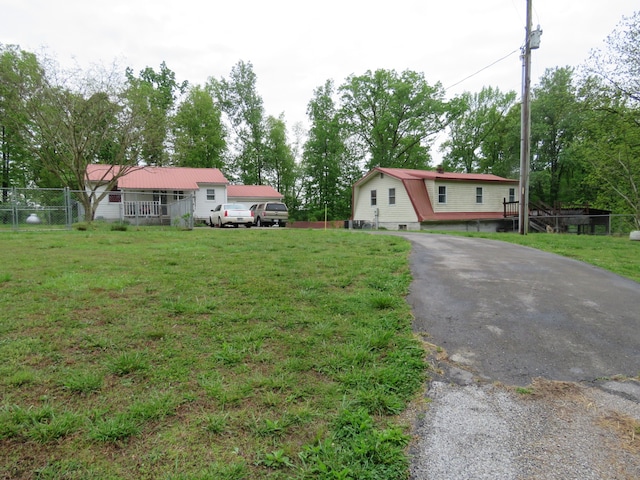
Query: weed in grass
x,y
230,354
524,390
128,362
114,429
383,302
5,277
55,427
267,427
40,424
216,423
82,381
276,459
21,378
154,408
379,402
357,449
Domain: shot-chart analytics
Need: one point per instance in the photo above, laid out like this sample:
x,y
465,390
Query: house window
x,y
478,194
211,194
512,194
178,194
115,197
442,194
392,196
374,198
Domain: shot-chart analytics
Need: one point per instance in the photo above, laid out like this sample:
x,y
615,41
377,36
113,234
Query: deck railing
x,y
141,209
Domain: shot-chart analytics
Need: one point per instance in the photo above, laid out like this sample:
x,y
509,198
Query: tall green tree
x,y
198,132
279,158
394,116
83,119
20,72
323,154
479,118
155,94
611,145
501,146
555,122
243,106
611,91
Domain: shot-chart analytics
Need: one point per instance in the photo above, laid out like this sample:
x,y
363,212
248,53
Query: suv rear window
x,y
276,207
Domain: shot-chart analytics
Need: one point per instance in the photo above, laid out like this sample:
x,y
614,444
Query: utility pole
x,y
532,41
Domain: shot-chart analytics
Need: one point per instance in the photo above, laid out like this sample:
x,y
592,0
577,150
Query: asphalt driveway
x,y
510,313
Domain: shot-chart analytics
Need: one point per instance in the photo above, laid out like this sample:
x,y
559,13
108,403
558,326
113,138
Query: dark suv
x,y
270,213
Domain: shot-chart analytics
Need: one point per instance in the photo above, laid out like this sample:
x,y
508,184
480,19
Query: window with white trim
x,y
392,196
512,194
211,194
374,198
478,194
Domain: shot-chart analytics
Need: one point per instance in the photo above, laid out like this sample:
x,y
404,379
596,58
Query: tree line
x,y
585,135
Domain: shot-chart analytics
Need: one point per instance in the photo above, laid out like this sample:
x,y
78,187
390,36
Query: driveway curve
x,y
510,316
511,313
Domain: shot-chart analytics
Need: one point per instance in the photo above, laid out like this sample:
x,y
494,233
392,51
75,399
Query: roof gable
x,y
157,178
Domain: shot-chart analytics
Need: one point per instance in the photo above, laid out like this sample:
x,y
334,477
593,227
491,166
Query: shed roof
x,y
253,191
157,178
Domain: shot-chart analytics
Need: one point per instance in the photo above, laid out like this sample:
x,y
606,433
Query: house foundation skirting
x,y
491,225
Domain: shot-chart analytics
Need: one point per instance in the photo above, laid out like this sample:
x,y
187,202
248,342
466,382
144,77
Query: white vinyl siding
x,y
463,196
400,212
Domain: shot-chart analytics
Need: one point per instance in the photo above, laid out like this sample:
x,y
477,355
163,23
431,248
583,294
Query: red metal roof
x,y
409,174
157,178
253,191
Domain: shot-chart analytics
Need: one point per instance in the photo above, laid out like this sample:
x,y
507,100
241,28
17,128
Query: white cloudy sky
x,y
296,45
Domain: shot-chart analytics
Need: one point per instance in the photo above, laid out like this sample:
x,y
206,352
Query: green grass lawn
x,y
221,354
216,354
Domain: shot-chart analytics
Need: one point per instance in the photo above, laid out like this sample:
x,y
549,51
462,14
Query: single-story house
x,y
160,194
406,199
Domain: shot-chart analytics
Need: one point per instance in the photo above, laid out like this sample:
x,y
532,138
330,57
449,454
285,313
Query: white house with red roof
x,y
405,199
152,192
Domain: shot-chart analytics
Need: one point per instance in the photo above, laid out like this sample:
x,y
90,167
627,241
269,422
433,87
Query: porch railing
x,y
141,209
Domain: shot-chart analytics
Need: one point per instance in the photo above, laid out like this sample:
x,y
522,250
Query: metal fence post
x,y
68,208
14,208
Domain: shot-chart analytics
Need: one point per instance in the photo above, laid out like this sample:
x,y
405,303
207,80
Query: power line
x,y
483,69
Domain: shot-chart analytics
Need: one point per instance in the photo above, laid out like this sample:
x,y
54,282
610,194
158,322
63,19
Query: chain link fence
x,y
59,208
37,208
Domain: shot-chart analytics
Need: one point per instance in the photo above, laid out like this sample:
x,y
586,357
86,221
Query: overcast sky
x,y
296,45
